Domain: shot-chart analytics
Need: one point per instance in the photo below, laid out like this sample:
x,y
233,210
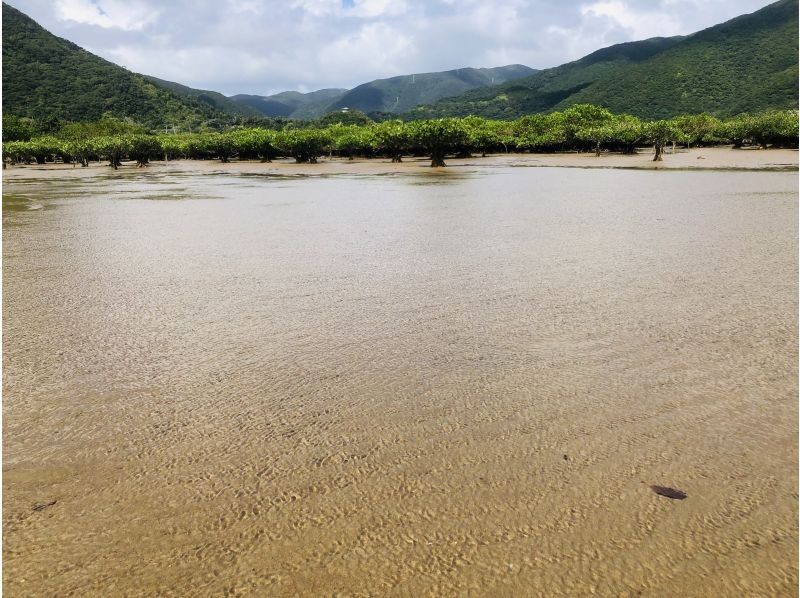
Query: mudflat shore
x,y
716,158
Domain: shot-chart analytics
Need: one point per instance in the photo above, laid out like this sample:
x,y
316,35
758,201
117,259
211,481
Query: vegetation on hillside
x,y
400,94
748,64
582,127
52,79
390,96
213,99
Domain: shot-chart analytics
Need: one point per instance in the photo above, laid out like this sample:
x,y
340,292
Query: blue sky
x,y
247,46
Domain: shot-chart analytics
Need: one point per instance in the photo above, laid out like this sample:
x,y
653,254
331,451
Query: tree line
x,y
582,128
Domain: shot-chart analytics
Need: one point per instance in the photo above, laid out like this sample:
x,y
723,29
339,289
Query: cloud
x,y
109,14
265,46
641,23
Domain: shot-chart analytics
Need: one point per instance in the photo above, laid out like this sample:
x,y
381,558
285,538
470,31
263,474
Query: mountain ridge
x,y
391,94
748,63
720,70
47,77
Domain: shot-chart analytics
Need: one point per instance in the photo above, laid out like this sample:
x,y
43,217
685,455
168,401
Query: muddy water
x,y
405,385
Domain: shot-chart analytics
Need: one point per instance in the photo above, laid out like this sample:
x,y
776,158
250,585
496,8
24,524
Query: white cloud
x,y
377,8
262,46
642,23
110,14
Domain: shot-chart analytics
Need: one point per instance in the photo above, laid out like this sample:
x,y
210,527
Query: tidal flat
x,y
488,380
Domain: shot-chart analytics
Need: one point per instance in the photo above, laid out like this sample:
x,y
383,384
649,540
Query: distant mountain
x,y
399,94
47,77
213,99
747,64
396,94
292,104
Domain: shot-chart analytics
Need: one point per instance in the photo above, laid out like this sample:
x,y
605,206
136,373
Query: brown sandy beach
x,y
450,383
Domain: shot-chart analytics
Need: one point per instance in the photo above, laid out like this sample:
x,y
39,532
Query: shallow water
x,y
401,385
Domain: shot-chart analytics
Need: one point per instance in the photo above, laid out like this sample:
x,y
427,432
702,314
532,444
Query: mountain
x,y
292,104
747,64
399,94
214,99
396,94
47,77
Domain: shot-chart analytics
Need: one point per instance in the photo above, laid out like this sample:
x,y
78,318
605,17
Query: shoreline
x,y
716,158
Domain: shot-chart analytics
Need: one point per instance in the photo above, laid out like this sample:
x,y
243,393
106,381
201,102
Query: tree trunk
x,y
597,150
659,150
437,160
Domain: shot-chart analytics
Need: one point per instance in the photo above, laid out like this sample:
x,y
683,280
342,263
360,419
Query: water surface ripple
x,y
401,385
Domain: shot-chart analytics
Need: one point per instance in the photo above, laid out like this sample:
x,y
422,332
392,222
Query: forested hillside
x,y
214,99
399,94
49,78
747,64
292,104
392,95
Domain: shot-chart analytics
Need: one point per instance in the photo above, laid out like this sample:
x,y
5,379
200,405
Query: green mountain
x,y
213,99
292,104
46,77
396,94
399,94
747,64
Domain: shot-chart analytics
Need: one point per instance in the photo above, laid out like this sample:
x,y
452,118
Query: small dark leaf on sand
x,y
668,492
43,505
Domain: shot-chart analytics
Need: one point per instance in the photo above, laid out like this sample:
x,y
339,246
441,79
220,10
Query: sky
x,y
247,46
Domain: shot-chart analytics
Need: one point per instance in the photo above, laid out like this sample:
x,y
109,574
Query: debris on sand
x,y
669,492
43,505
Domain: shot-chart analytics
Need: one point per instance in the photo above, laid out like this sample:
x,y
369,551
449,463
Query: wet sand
x,y
717,158
455,383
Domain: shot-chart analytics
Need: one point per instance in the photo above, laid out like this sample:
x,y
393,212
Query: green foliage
x,y
439,137
17,128
694,128
659,133
40,150
143,148
580,127
399,94
778,127
749,64
304,144
351,117
351,139
255,143
50,79
112,147
391,137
